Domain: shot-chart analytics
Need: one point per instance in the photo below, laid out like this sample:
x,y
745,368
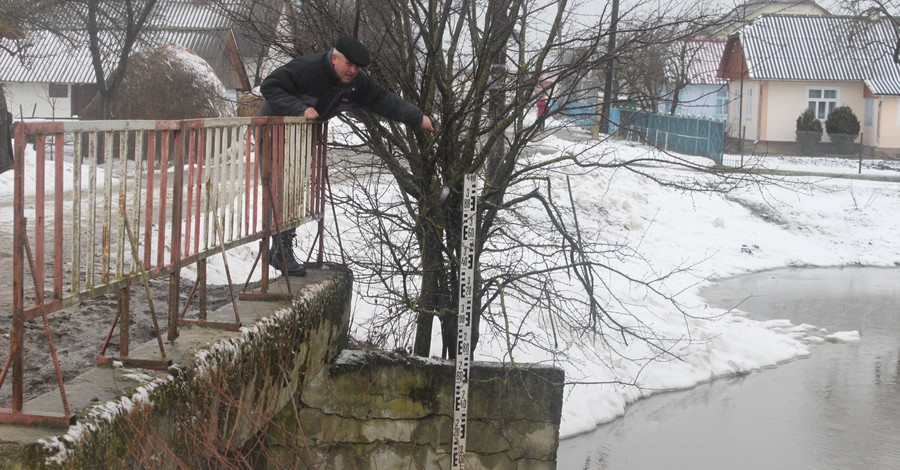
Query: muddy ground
x,y
79,333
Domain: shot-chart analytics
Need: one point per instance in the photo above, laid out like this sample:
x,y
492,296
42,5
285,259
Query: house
x,y
692,85
778,66
744,13
53,78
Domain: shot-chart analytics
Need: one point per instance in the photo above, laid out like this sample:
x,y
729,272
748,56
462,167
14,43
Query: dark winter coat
x,y
310,80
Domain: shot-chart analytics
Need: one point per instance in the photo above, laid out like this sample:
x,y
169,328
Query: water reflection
x,y
837,409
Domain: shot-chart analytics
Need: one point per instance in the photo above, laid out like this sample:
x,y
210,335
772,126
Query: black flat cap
x,y
353,50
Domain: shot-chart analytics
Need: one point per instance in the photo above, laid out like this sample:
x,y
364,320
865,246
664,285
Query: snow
x,y
807,220
815,219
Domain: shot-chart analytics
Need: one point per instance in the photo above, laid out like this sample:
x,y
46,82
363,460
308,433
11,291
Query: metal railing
x,y
116,203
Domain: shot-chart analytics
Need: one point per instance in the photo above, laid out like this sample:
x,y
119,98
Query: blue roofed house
x,y
54,79
778,66
693,87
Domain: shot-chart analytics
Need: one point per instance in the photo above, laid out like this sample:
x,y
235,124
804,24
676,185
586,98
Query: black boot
x,y
281,256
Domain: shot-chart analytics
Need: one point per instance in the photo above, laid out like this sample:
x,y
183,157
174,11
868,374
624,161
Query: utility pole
x,y
608,88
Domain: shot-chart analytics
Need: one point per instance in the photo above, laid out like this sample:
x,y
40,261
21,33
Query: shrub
x,y
842,121
807,122
809,129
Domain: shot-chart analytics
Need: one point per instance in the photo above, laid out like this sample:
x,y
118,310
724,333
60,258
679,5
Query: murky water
x,y
837,409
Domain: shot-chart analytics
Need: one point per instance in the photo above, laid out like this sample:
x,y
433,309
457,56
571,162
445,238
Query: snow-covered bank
x,y
797,221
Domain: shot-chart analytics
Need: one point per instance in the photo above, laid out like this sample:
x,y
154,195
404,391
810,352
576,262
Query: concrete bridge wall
x,y
377,410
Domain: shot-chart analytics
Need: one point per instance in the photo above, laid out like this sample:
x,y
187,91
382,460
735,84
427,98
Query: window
x,y
821,101
869,118
59,91
722,103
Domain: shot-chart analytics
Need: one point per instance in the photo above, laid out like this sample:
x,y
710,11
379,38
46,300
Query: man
x,y
319,87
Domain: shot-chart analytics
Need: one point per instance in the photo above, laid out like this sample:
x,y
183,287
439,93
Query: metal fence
x,y
690,136
116,203
805,144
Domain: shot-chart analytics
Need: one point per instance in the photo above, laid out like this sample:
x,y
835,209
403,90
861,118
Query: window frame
x,y
721,103
58,90
822,101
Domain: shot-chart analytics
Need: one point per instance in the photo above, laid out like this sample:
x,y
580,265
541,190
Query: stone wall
x,y
375,410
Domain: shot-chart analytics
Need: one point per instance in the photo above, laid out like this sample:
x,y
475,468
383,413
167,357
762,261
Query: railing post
x,y
17,334
268,205
176,245
124,320
201,286
321,142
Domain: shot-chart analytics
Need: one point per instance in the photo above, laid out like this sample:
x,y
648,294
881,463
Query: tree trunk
x,y
435,297
675,98
6,151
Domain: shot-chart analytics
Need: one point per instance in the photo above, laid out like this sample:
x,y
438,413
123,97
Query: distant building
x,y
692,86
744,13
778,66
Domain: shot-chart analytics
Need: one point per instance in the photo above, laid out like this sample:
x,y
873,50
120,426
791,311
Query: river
x,y
839,408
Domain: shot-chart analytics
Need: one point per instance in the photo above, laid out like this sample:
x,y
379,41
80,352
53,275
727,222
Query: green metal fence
x,y
691,136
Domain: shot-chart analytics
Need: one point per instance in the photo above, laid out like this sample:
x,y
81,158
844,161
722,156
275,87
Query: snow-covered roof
x,y
187,14
815,48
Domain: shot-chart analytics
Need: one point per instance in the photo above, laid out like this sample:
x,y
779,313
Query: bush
x,y
842,121
807,122
809,129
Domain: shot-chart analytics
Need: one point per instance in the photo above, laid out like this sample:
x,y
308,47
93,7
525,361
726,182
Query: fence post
x,y
741,143
861,147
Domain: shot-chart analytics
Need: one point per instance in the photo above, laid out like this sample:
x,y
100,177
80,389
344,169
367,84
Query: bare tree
x,y
113,28
474,66
16,17
110,29
876,8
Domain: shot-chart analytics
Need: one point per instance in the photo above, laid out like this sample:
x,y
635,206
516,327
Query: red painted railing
x,y
121,202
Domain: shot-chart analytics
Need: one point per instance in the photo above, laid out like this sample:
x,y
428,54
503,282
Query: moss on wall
x,y
383,410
